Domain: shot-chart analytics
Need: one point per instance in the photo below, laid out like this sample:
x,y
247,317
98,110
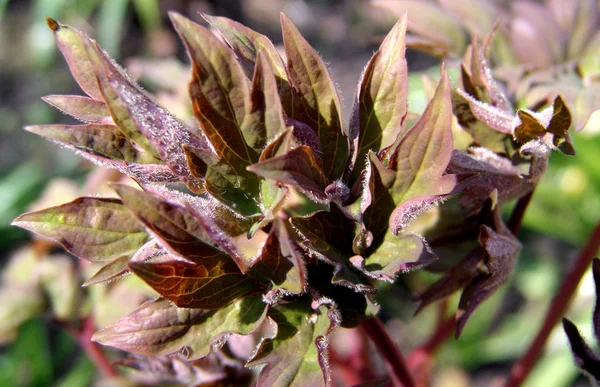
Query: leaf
x,y
299,167
586,22
160,328
82,108
395,254
212,283
297,355
423,155
102,140
220,93
60,281
95,229
72,45
585,358
143,120
381,104
247,43
281,262
310,78
114,269
17,305
180,230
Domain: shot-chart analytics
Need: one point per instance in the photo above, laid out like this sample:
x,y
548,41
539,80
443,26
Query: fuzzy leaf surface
x,y
95,229
161,328
297,355
381,103
310,79
82,108
112,270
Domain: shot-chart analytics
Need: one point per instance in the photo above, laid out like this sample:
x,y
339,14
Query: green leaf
x,y
114,269
17,305
396,254
82,108
247,43
297,355
160,328
102,140
424,152
72,45
212,283
381,103
95,229
178,228
310,78
299,167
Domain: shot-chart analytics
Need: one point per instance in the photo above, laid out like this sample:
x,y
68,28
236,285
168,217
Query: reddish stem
x,y
394,361
561,300
516,218
91,349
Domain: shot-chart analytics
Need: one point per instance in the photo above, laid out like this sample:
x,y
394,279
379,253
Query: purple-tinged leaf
x,y
180,230
300,167
585,25
212,283
220,93
247,43
95,229
381,103
265,105
82,108
164,133
310,79
448,34
501,250
298,354
393,255
490,115
100,140
161,328
586,359
72,45
281,263
114,269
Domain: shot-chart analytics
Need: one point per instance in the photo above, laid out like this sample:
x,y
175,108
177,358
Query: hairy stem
x,y
523,367
91,349
394,361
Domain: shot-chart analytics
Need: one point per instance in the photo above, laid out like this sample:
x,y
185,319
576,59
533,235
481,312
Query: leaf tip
x,y
53,24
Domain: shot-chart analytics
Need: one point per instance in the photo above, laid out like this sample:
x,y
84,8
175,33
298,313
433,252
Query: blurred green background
x,y
565,208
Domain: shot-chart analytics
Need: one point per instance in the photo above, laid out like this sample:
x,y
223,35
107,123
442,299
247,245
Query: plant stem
x,y
394,361
91,349
516,218
561,300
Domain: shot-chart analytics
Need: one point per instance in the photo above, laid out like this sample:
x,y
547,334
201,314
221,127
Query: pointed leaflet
x,y
247,43
95,229
220,93
297,355
102,140
143,118
71,44
300,167
160,328
82,108
180,230
585,358
112,270
281,262
380,106
311,80
395,254
424,153
212,283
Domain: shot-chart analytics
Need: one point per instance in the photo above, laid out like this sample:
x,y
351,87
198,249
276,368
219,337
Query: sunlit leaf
x,y
112,270
161,328
82,108
95,229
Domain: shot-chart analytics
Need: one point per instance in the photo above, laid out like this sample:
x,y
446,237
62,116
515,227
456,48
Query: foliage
x,y
267,218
